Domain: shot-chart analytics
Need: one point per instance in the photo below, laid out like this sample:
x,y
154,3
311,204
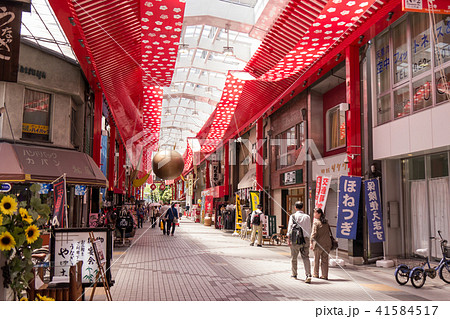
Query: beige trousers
x,y
320,256
254,229
304,251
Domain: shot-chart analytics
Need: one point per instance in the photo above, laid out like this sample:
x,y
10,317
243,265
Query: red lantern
x,y
162,186
153,187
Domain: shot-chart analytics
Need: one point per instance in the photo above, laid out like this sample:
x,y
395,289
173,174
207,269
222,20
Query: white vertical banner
x,y
323,191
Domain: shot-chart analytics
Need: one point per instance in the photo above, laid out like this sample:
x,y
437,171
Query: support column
x,y
226,173
97,134
259,155
112,154
354,112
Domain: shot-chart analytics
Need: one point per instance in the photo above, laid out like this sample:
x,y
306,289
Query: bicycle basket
x,y
446,251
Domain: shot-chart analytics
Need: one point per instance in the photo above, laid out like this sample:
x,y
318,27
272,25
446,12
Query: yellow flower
x,y
24,299
7,241
32,233
8,205
43,298
1,220
25,216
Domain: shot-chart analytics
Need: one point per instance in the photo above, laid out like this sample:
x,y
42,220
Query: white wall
x,y
420,132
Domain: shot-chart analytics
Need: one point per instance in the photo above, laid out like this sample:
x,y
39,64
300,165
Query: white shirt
x,y
303,220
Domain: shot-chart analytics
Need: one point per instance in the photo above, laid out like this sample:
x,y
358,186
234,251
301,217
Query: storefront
x,y
26,165
411,135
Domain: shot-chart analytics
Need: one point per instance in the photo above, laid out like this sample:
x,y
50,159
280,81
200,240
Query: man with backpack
x,y
256,222
298,233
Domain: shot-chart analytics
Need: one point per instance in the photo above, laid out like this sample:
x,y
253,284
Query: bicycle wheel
x,y
418,278
444,272
275,239
402,274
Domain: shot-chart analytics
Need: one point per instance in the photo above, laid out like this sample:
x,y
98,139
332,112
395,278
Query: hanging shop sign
x,y
191,185
348,203
80,190
10,19
292,177
215,173
45,188
209,204
254,200
374,210
162,186
322,191
5,187
59,203
153,187
438,6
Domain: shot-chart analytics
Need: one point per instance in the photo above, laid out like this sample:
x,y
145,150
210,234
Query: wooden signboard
x,y
101,261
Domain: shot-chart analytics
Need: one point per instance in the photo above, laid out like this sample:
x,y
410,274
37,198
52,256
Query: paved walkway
x,y
201,263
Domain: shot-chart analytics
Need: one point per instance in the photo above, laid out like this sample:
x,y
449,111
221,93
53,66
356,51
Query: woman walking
x,y
320,243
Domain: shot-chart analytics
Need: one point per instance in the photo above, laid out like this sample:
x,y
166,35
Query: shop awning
x,y
22,163
249,179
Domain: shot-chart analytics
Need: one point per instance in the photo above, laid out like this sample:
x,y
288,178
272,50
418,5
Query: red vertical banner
x,y
112,155
209,205
59,203
97,134
259,155
10,19
318,185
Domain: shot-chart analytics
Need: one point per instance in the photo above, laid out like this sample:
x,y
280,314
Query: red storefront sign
x,y
438,6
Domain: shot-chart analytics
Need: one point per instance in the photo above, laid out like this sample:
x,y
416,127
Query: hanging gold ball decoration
x,y
168,164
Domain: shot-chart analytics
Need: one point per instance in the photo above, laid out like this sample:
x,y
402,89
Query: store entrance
x,y
428,201
289,197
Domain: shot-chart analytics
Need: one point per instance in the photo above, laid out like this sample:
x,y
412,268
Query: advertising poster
x,y
348,203
238,213
374,210
323,192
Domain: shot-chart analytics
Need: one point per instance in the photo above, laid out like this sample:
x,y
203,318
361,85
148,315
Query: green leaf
x,y
35,188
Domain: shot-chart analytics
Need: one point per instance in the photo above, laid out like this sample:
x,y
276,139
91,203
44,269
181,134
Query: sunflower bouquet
x,y
19,236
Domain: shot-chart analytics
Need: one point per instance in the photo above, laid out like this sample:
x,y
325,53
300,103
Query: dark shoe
x,y
252,244
259,245
295,277
324,278
308,280
316,276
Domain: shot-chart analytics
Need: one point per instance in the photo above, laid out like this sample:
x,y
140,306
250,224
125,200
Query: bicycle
x,y
418,275
279,238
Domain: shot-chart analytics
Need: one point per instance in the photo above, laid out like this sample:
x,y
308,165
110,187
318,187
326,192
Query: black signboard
x,y
10,20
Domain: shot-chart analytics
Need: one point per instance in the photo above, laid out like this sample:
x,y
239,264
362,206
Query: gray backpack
x,y
297,234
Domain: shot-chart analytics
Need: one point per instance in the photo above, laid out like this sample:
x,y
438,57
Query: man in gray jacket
x,y
304,221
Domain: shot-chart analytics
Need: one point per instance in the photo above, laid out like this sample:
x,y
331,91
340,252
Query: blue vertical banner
x,y
374,210
104,155
348,203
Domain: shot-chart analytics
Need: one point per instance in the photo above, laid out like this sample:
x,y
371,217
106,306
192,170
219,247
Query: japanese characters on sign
x,y
348,203
238,213
318,184
374,210
322,191
72,247
10,19
59,206
254,196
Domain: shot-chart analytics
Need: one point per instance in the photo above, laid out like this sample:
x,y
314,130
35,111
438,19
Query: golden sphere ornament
x,y
168,164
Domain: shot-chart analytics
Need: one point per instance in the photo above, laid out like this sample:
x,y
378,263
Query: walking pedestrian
x,y
256,222
320,243
171,217
153,216
140,216
298,233
162,211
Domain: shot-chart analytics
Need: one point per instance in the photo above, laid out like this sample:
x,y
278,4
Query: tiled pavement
x,y
201,263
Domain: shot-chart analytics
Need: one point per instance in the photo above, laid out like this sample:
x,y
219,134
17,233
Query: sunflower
x,y
8,205
7,241
24,299
32,233
43,298
25,216
1,220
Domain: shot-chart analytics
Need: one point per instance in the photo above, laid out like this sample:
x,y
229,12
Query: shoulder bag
x,y
334,243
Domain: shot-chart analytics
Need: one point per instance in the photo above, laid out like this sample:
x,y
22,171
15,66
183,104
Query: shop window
x,y
384,109
439,165
335,128
416,168
443,85
36,115
400,57
402,104
422,93
287,143
442,36
420,44
382,63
